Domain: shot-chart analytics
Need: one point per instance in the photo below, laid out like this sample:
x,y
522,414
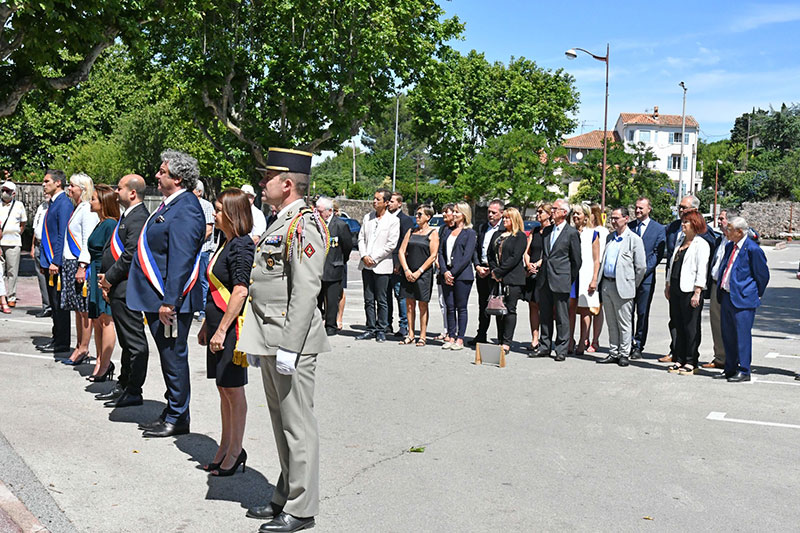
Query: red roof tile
x,y
591,140
662,120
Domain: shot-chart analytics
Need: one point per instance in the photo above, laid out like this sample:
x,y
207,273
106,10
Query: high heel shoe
x,y
212,466
83,357
108,376
242,459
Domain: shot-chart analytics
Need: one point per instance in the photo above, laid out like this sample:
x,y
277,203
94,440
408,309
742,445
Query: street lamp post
x,y
572,54
716,189
683,142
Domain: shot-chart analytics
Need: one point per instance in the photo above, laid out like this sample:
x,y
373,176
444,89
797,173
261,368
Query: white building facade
x,y
662,134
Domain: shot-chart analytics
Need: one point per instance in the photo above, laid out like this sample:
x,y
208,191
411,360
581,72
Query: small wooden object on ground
x,y
490,354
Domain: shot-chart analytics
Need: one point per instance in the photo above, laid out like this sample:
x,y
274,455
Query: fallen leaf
x,y
417,449
647,518
135,451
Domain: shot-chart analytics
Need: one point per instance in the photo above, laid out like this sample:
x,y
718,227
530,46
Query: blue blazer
x,y
57,219
655,241
462,254
175,236
749,274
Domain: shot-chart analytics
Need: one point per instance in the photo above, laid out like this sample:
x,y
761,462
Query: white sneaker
x,y
456,346
447,345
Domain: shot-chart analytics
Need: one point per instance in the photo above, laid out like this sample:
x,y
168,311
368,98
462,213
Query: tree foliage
x,y
628,177
463,101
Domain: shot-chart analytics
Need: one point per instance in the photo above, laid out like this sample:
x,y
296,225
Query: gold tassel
x,y
58,283
50,282
85,290
239,358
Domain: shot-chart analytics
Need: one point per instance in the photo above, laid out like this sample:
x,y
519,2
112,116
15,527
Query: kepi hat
x,y
286,160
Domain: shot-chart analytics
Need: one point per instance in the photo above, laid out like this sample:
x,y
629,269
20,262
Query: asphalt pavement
x,y
535,446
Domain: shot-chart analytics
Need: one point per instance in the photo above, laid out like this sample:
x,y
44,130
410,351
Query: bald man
x,y
113,279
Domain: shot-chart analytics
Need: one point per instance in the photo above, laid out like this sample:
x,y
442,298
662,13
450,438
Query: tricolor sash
x,y
221,296
116,243
150,268
72,242
47,246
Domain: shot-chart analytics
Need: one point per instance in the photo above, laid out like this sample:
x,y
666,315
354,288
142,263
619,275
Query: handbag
x,y
496,306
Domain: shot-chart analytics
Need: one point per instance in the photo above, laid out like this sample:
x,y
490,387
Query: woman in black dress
x,y
417,255
508,270
533,260
228,278
105,204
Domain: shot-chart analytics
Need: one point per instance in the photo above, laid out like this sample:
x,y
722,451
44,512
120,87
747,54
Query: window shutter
x,y
685,162
686,139
671,138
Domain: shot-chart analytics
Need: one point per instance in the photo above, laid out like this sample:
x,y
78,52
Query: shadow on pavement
x,y
249,489
142,414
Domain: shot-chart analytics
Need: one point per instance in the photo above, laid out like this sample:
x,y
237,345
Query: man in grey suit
x,y
561,262
283,328
621,271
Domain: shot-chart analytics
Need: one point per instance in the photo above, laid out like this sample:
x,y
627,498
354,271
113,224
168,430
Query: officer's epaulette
x,y
296,230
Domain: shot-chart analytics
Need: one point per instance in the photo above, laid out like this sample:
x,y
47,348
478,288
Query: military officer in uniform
x,y
283,333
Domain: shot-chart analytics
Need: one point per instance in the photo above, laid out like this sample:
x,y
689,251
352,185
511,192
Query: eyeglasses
x,y
682,207
417,215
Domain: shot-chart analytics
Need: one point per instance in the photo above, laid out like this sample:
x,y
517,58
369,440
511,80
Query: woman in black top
x,y
229,276
417,254
508,269
533,260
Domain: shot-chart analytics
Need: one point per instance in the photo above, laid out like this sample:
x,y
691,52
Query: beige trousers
x,y
716,327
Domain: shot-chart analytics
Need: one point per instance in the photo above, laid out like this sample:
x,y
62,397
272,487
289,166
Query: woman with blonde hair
x,y
597,221
533,260
456,246
585,298
508,271
76,261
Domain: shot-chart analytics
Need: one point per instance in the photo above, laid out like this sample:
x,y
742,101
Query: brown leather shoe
x,y
712,364
665,359
12,303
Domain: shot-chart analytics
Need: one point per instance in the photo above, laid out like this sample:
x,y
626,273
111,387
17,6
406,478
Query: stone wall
x,y
771,219
356,209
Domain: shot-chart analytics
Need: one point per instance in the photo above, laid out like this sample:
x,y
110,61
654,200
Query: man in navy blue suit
x,y
50,256
162,283
654,238
743,278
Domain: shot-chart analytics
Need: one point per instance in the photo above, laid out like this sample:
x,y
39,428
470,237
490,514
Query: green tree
x,y
628,177
297,73
463,101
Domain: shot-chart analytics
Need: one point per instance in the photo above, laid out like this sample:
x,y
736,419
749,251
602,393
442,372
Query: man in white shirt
x,y
208,244
377,239
12,219
714,307
259,220
38,226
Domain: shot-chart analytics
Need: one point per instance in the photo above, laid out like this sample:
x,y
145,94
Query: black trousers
x,y
62,320
376,294
508,323
559,302
133,342
484,290
686,319
328,303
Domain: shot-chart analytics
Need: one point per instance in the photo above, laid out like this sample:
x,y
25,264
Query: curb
x,y
14,513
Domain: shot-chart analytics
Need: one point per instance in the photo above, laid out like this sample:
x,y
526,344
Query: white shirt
x,y
38,220
81,224
208,212
556,232
642,226
14,213
259,221
726,279
451,243
720,252
172,196
486,240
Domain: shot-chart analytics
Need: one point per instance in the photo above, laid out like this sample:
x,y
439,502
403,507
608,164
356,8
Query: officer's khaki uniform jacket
x,y
282,309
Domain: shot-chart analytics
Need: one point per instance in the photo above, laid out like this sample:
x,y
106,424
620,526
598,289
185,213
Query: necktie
x,y
553,236
639,229
726,283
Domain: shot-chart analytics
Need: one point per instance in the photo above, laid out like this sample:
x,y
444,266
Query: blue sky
x,y
731,55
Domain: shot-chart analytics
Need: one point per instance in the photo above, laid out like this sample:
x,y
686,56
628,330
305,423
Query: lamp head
x,y
682,85
571,54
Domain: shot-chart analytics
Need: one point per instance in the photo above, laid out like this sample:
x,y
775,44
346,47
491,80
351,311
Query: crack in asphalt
x,y
379,462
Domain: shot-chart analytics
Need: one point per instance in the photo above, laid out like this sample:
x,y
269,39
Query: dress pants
x,y
738,338
715,313
508,323
402,319
686,319
642,302
484,286
133,342
376,293
11,255
548,301
328,303
174,354
42,280
62,320
619,320
456,298
291,408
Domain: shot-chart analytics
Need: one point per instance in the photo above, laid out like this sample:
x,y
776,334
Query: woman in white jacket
x,y
687,272
74,279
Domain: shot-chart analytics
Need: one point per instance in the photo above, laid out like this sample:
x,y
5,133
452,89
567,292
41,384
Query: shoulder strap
x,y
10,211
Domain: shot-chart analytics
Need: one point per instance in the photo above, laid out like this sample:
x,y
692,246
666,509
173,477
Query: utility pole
x,y
396,122
747,143
683,135
354,161
416,183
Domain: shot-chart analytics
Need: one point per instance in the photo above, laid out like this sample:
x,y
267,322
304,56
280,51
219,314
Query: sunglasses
x,y
418,214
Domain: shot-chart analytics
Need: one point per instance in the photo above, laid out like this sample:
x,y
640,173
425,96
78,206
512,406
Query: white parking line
x,y
775,355
15,354
29,322
754,379
720,417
